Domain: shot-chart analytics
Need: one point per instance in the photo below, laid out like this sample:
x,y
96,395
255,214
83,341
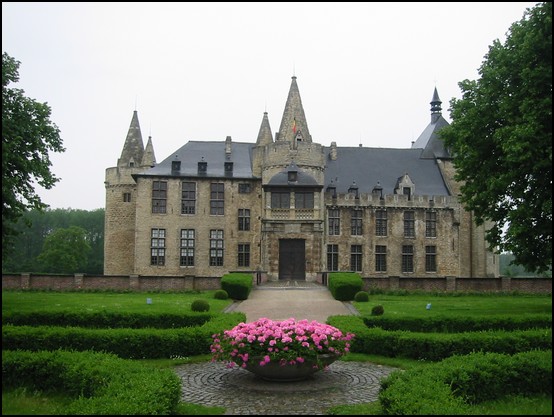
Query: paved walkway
x,y
243,393
283,300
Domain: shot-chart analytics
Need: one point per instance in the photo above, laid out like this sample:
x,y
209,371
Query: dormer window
x,y
354,190
175,166
405,186
228,168
202,166
293,176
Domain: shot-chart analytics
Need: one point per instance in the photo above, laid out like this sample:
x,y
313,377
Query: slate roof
x,y
214,154
367,166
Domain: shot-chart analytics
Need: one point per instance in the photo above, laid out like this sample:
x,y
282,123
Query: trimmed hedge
x,y
105,319
460,324
238,285
101,383
438,346
453,385
125,343
345,285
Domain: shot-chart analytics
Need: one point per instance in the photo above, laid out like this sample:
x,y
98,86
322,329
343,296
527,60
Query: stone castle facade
x,y
291,208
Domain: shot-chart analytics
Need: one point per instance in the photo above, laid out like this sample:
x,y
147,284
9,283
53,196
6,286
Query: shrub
x,y
221,295
377,310
361,296
200,305
238,285
344,285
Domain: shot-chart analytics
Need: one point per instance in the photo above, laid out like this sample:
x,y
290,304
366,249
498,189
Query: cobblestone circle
x,y
243,393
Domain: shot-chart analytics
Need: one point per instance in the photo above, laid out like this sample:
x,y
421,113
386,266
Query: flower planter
x,y
274,371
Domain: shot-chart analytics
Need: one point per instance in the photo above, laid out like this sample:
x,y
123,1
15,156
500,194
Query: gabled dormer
x,y
405,186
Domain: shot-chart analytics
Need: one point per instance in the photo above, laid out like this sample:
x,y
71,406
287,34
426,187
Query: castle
x,y
291,207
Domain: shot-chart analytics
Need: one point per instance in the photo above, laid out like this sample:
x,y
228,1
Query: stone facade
x,y
291,208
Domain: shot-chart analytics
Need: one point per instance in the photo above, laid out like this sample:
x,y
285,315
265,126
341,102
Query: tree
x,y
65,251
501,141
28,136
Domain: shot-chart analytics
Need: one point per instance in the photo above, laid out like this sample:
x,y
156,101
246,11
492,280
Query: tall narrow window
x,y
409,224
334,222
356,258
244,219
430,259
407,258
126,197
216,247
244,254
217,199
304,200
356,222
407,191
159,196
157,247
332,257
280,200
380,258
187,247
381,223
188,198
430,224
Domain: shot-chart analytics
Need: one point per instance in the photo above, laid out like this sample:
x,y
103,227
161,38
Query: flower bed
x,y
287,343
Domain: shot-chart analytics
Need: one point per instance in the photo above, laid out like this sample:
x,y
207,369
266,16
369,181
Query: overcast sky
x,y
203,71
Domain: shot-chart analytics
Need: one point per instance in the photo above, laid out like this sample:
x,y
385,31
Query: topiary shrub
x,y
200,305
361,296
221,295
377,310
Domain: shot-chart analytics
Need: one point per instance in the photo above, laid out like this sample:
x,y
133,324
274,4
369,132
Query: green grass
x,y
21,401
26,301
460,305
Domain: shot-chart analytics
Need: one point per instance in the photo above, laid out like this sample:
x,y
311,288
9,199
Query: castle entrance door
x,y
292,259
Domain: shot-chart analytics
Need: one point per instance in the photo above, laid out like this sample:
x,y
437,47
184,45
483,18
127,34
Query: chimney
x,y
333,151
228,146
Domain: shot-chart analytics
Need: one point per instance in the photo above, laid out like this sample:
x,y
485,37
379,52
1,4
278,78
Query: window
x,y
244,254
187,247
409,224
407,258
159,196
280,200
304,200
356,258
126,197
217,199
430,259
407,191
356,222
216,247
381,223
334,222
430,224
157,247
245,188
380,258
244,219
188,198
332,257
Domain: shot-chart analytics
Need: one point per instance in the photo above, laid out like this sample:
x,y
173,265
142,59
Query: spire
x,y
294,127
148,158
133,150
265,137
436,109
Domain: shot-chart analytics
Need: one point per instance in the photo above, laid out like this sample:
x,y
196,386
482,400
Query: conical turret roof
x,y
148,158
294,126
265,137
133,149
